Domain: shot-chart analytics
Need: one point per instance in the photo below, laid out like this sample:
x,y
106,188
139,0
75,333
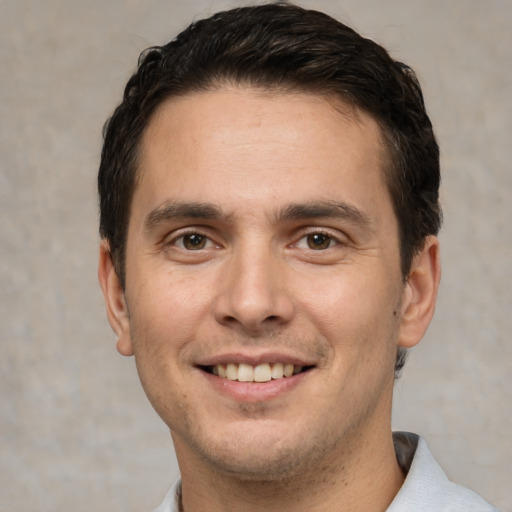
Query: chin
x,y
268,459
264,468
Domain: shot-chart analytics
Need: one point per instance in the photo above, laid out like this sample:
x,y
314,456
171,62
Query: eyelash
x,y
175,241
333,241
322,236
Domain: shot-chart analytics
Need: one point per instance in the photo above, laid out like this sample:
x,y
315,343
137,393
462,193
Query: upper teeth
x,y
260,373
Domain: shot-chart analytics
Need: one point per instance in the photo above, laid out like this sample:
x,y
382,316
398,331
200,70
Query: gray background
x,y
76,432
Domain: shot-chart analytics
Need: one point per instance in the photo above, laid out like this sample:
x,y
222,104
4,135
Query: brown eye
x,y
194,241
318,241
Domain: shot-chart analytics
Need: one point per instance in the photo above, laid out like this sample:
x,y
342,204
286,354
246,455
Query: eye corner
x,y
318,240
189,242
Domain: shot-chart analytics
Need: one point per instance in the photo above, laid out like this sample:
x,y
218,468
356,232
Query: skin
x,y
255,176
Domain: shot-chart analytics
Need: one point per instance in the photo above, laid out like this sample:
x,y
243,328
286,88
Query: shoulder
x,y
426,487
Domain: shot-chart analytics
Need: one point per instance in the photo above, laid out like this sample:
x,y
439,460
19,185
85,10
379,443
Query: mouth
x,y
264,372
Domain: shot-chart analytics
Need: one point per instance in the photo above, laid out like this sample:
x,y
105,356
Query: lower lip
x,y
255,391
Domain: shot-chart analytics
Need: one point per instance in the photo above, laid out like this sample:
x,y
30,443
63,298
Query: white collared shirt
x,y
426,487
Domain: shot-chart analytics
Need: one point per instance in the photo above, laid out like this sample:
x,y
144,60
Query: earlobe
x,y
115,302
420,294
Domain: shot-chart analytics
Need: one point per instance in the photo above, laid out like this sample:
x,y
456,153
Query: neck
x,y
366,478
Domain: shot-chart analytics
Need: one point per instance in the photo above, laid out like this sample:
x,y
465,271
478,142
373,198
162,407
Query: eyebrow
x,y
170,210
182,210
325,209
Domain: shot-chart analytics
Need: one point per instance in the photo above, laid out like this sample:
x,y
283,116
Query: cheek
x,y
167,313
356,311
352,296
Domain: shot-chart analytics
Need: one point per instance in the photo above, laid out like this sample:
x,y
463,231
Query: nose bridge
x,y
253,293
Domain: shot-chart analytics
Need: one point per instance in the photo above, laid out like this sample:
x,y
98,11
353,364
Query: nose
x,y
253,297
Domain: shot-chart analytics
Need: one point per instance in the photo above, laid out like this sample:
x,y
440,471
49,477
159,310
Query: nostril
x,y
251,312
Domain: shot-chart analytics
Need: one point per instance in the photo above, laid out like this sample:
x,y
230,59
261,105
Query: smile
x,y
264,372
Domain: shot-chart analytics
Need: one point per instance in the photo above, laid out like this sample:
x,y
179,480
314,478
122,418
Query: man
x,y
269,211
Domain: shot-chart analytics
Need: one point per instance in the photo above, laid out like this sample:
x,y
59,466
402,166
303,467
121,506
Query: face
x,y
264,301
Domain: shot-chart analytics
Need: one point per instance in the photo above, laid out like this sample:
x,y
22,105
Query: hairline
x,y
345,105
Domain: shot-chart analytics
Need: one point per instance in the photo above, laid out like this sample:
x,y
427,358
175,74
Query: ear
x,y
420,294
113,293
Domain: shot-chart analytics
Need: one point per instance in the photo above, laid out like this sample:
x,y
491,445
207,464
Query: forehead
x,y
259,145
